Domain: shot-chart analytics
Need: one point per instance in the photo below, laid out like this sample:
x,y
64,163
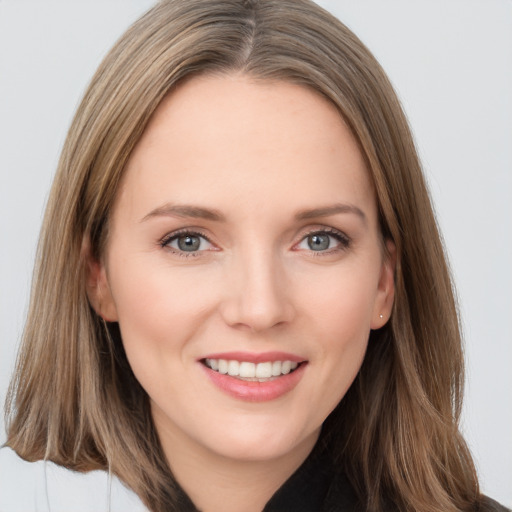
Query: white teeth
x,y
247,370
233,368
264,370
286,367
223,366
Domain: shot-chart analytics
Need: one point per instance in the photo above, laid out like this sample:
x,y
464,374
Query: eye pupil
x,y
189,243
318,242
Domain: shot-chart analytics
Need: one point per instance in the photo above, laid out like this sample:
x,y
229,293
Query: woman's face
x,y
244,239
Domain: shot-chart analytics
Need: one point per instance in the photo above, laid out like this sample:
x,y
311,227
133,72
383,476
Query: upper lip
x,y
253,357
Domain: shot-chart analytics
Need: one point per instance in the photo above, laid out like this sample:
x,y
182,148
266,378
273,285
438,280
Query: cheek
x,y
339,317
159,309
158,293
341,303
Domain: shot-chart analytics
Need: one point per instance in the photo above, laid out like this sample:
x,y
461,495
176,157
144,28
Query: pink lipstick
x,y
254,377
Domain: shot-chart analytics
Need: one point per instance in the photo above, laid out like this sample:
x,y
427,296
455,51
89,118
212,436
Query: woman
x,y
193,313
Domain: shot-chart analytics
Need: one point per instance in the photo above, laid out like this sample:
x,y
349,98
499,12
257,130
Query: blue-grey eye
x,y
318,242
188,242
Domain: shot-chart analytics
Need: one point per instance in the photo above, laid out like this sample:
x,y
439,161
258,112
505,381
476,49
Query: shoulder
x,y
43,486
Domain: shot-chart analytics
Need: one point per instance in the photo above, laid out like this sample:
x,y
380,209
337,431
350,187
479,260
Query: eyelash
x,y
341,237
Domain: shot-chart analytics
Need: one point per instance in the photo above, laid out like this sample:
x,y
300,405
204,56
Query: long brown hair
x,y
74,399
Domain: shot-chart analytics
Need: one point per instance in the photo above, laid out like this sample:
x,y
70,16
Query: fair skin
x,y
245,229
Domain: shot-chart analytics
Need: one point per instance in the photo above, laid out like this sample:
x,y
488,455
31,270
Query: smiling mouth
x,y
252,372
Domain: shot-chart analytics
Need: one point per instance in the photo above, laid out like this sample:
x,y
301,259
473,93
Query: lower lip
x,y
251,391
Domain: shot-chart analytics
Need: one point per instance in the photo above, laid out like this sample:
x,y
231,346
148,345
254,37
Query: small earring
x,y
381,316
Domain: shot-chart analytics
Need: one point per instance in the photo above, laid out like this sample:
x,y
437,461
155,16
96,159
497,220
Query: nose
x,y
256,296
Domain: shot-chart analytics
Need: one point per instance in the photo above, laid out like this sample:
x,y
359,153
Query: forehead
x,y
233,137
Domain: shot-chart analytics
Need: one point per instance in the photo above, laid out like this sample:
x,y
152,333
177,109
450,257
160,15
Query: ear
x,y
98,288
386,288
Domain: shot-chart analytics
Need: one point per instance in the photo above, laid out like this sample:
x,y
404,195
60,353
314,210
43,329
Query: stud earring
x,y
381,316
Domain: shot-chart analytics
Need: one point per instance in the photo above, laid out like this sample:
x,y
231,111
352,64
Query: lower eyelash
x,y
185,254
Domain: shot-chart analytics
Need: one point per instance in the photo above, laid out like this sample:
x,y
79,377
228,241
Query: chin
x,y
253,444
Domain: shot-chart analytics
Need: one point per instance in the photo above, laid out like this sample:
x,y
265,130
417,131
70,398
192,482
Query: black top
x,y
315,487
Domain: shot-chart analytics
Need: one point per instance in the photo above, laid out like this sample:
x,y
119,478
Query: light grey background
x,y
451,62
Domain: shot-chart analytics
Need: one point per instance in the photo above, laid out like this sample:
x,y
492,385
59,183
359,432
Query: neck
x,y
214,482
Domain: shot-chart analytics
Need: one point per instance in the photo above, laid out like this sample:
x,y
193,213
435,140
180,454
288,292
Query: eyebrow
x,y
197,212
327,211
184,211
